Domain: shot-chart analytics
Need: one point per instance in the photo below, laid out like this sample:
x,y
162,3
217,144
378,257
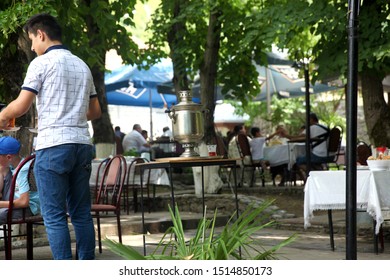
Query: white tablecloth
x,y
157,176
284,154
325,190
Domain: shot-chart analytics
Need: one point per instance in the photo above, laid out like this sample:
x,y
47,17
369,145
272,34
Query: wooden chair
x,y
133,183
108,197
363,151
334,146
225,171
29,221
99,174
247,161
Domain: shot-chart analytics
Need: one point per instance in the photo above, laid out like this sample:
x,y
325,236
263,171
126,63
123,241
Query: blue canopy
x,y
131,86
144,97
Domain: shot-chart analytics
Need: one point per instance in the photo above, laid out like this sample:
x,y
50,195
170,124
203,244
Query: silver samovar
x,y
187,123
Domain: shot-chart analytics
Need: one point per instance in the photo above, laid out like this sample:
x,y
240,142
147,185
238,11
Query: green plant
x,y
235,241
132,152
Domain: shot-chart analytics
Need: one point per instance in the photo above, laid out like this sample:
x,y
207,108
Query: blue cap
x,y
9,146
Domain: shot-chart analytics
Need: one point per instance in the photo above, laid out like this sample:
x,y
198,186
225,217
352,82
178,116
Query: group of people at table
x,y
138,141
257,141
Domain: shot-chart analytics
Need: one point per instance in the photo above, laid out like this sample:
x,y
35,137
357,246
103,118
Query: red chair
x,y
108,197
29,221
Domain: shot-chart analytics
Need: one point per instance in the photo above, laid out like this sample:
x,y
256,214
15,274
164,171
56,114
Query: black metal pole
x,y
351,242
307,101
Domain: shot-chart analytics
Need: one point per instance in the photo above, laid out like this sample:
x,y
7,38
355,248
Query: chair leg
x,y
30,241
135,199
126,199
253,177
148,195
5,232
118,220
262,176
8,244
331,233
154,198
99,233
242,177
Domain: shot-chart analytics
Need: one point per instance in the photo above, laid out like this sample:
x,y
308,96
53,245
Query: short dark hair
x,y
237,128
46,23
255,130
314,117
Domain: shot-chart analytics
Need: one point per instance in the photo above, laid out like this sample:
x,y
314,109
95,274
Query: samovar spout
x,y
171,114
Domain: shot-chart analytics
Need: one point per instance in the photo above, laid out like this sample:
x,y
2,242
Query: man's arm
x,y
17,108
21,202
94,110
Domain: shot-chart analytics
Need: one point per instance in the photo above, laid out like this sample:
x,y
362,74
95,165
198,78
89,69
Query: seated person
x,y
278,139
257,147
319,148
233,151
167,132
144,134
135,141
24,198
119,133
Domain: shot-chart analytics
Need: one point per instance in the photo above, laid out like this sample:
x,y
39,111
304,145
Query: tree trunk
x,y
103,135
208,78
376,111
208,73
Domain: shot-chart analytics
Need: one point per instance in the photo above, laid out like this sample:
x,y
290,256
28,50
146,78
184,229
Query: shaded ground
x,y
290,202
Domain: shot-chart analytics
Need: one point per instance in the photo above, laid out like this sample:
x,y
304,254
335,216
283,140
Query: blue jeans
x,y
313,159
62,173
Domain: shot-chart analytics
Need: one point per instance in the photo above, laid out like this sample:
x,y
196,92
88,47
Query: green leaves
x,y
207,243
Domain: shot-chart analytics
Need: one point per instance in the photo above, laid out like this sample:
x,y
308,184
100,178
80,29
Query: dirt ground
x,y
290,202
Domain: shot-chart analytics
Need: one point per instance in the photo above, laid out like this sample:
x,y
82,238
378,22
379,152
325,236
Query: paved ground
x,y
311,244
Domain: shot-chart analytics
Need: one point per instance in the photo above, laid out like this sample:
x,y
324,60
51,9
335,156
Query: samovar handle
x,y
172,114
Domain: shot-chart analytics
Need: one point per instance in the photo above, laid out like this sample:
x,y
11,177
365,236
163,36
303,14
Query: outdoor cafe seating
x,y
28,221
109,194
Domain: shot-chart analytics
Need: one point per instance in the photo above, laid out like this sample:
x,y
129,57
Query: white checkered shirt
x,y
64,85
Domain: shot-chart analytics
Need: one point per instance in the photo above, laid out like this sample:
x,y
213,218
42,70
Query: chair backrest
x,y
99,174
30,178
334,141
363,151
133,171
244,146
221,147
111,184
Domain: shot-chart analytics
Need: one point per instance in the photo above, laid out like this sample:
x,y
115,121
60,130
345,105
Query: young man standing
x,y
66,100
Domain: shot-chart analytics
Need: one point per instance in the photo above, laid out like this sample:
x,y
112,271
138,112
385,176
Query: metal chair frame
x,y
109,194
29,221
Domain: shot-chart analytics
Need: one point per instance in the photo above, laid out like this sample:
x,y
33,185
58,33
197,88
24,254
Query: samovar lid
x,y
186,102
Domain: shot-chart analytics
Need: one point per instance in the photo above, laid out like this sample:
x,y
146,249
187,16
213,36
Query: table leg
x,y
142,211
331,233
376,250
236,197
172,190
203,203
